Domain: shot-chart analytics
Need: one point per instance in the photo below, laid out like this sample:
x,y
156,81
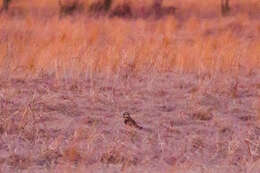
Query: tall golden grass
x,y
80,44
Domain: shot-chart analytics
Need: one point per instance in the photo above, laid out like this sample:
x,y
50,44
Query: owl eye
x,y
126,114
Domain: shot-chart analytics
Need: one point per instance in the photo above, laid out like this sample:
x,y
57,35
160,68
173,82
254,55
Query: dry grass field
x,y
189,76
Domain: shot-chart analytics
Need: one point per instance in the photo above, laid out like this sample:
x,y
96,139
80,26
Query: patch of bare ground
x,y
191,124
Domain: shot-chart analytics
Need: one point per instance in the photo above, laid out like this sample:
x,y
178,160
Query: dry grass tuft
x,y
257,107
202,115
116,157
18,161
72,154
112,157
47,158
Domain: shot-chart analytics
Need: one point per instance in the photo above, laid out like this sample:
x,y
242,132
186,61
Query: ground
x,y
192,123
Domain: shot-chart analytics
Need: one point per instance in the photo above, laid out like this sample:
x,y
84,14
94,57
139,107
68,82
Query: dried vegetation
x,y
187,74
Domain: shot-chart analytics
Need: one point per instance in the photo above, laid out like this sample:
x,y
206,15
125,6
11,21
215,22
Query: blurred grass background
x,y
34,39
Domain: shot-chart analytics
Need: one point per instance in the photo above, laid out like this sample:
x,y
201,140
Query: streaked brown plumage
x,y
130,121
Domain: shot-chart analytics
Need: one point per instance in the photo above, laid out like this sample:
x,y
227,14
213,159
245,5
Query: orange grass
x,y
81,44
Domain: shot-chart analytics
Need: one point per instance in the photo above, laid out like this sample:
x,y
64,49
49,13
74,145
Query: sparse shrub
x,y
169,10
6,4
225,8
158,10
107,4
123,10
100,7
69,8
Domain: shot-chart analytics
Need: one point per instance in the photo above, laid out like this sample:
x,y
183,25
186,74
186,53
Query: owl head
x,y
126,115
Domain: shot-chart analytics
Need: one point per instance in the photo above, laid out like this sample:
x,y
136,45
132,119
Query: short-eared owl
x,y
130,121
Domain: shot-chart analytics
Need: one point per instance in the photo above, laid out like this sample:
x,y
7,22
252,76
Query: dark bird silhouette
x,y
129,121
